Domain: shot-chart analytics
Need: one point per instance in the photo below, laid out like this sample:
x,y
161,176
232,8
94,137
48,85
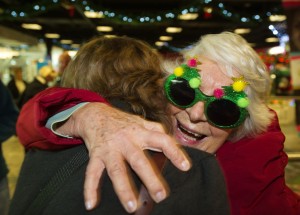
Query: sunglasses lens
x,y
181,93
223,112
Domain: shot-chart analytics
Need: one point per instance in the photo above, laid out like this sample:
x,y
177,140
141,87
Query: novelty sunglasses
x,y
225,109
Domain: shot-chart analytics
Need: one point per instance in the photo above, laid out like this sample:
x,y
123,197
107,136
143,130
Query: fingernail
x,y
88,205
185,165
160,196
131,206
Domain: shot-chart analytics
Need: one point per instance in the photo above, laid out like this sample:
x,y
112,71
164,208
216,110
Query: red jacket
x,y
31,123
253,168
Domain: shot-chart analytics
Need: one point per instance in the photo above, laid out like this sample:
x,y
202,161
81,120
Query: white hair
x,y
232,52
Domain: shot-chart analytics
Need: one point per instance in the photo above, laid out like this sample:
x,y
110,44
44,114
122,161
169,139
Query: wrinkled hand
x,y
113,138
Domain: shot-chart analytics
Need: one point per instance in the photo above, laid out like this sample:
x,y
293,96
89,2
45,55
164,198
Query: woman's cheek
x,y
173,110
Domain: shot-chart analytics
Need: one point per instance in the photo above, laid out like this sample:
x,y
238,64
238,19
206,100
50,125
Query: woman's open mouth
x,y
187,137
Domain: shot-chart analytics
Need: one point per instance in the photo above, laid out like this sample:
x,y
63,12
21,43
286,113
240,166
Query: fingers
x,y
144,168
157,141
149,175
172,151
117,171
92,182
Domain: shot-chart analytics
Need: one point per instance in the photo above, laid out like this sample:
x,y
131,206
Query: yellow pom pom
x,y
178,71
239,86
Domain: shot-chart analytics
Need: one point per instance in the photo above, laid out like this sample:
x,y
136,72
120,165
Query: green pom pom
x,y
243,102
195,83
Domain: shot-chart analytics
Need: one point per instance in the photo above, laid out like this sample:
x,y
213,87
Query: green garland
x,y
194,6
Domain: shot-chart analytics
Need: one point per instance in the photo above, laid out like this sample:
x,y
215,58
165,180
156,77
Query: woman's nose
x,y
196,112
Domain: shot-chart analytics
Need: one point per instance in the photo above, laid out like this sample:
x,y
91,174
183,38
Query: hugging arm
x,y
112,137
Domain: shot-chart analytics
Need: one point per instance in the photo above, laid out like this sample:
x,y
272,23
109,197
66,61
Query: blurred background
x,y
35,33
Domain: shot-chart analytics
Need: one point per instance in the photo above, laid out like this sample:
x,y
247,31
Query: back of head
x,y
46,71
16,71
232,52
120,68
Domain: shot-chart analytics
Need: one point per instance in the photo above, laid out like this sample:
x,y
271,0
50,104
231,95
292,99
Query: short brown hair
x,y
121,68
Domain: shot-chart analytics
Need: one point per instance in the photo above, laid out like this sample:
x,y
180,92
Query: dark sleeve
x,y
8,114
201,190
35,113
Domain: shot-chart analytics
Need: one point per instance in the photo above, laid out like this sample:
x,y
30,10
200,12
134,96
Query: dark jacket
x,y
8,118
14,90
201,190
31,90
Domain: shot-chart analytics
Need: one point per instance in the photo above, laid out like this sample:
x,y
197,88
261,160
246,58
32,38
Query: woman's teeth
x,y
189,134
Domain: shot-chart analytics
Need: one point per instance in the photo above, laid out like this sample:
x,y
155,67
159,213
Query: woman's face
x,y
190,125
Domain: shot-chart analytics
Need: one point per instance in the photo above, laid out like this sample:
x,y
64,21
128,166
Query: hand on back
x,y
131,136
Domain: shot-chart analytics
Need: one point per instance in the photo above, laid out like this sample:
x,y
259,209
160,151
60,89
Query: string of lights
x,y
204,8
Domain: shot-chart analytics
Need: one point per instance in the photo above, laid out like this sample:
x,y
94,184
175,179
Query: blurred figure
x,y
16,85
292,12
8,118
63,62
40,83
295,35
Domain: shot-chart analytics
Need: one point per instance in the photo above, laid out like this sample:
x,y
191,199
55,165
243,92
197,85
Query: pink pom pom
x,y
218,93
192,62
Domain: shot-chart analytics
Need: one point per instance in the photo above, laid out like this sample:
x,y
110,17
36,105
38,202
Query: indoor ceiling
x,y
143,19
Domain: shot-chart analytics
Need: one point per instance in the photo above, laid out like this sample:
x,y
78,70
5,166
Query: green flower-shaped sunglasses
x,y
225,109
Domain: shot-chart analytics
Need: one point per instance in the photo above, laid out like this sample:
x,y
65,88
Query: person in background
x,y
45,75
8,118
17,85
219,105
129,75
63,61
293,28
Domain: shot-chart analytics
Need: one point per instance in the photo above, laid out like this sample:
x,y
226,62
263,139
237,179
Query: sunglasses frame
x,y
191,74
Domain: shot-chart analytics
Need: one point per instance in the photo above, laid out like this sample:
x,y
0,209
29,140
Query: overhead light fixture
x,y
242,30
66,41
93,14
104,28
31,26
272,40
159,43
75,46
165,38
188,16
52,36
173,29
277,18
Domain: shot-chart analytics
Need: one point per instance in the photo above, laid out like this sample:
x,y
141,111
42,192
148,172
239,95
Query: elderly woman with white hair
x,y
219,104
218,101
